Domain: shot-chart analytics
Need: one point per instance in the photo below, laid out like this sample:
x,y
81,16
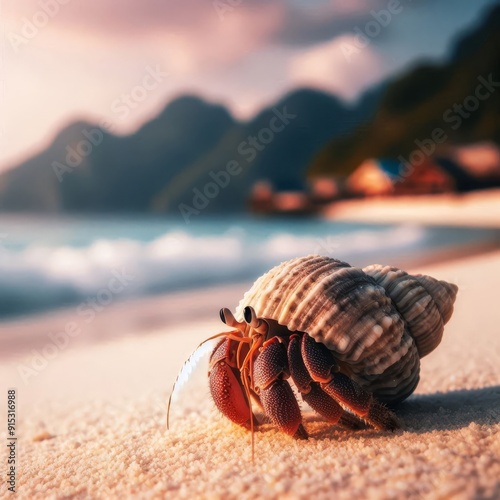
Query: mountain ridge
x,y
88,169
428,97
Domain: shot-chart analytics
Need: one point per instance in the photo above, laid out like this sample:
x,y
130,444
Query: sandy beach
x,y
91,423
479,208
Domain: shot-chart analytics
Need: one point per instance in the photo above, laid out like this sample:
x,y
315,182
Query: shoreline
x,y
477,208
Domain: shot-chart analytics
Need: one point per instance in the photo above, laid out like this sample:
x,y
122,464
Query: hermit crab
x,y
349,339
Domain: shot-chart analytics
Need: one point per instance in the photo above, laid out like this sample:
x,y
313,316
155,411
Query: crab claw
x,y
226,386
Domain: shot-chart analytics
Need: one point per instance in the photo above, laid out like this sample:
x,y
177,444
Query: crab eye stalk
x,y
258,324
228,318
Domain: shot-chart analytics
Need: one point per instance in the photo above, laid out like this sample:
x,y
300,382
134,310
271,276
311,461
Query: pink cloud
x,y
90,51
333,66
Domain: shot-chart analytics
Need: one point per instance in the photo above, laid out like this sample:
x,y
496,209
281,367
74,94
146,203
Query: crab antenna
x,y
246,374
258,324
228,318
229,335
246,386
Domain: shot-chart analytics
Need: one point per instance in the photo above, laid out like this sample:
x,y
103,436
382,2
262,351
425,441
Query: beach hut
x,y
265,200
480,159
324,189
425,178
384,177
374,177
261,197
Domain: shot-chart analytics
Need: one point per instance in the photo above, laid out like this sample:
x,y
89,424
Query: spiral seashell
x,y
425,303
377,321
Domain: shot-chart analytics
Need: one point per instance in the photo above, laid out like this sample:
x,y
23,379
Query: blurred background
x,y
163,146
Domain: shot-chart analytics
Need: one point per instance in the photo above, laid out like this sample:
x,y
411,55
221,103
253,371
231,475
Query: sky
x,y
119,62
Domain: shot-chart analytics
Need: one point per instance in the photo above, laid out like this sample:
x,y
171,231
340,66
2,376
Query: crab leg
x,y
270,371
225,384
311,391
322,367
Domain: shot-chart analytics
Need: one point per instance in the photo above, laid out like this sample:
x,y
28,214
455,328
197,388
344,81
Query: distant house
x,y
426,178
263,199
374,178
480,159
383,177
324,189
464,181
473,166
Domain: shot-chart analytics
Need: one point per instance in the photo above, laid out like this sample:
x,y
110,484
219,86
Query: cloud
x,y
91,51
332,66
308,22
209,31
130,17
195,37
192,36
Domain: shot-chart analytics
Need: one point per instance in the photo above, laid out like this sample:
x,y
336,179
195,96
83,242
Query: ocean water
x,y
48,263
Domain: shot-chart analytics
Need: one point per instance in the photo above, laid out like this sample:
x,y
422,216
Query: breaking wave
x,y
39,277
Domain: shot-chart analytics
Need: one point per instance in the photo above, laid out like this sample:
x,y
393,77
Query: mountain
x,y
163,164
303,121
428,107
88,169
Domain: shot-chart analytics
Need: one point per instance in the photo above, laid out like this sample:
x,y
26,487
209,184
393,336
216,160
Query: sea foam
x,y
39,277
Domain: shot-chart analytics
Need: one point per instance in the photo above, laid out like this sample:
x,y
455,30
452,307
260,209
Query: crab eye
x,y
248,314
222,315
